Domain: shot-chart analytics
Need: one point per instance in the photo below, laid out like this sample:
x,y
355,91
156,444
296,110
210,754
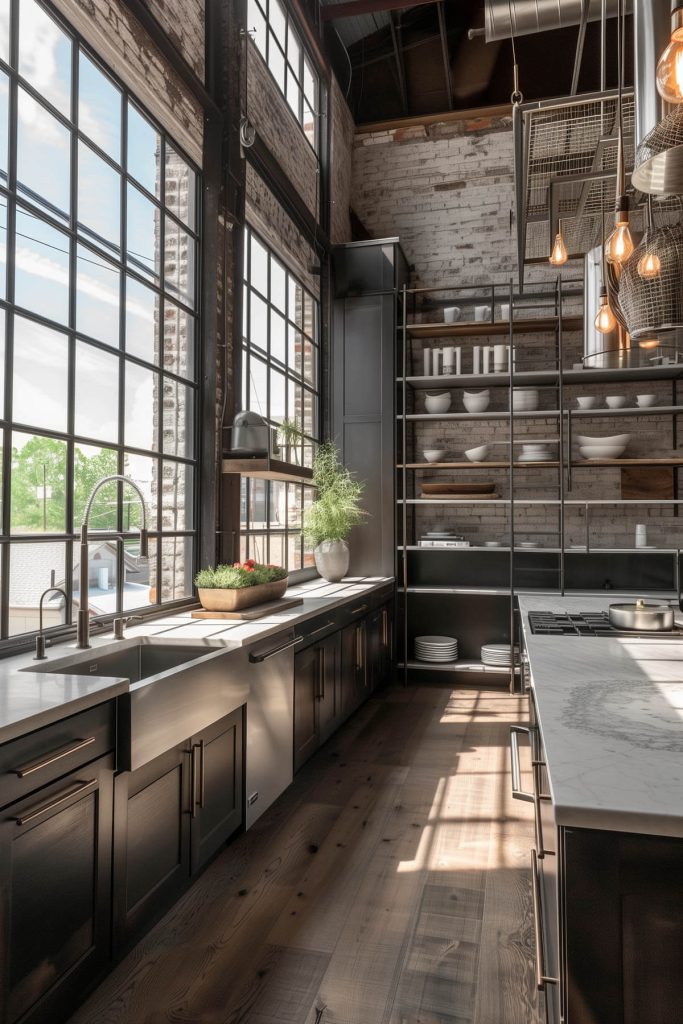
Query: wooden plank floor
x,y
389,885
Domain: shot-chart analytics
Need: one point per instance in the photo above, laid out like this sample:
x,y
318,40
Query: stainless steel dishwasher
x,y
269,669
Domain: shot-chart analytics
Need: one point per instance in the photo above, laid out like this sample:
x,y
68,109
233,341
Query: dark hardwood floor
x,y
389,885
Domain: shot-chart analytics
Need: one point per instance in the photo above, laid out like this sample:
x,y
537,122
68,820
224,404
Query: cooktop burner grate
x,y
589,624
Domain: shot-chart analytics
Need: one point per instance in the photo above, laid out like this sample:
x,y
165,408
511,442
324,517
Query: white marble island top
x,y
31,699
611,719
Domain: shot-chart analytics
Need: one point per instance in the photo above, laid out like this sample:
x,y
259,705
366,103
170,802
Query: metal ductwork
x,y
503,18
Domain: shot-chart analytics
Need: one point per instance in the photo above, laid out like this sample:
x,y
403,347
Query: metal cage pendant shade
x,y
654,305
658,168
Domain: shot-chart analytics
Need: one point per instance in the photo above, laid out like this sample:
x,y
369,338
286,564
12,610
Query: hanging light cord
x,y
517,97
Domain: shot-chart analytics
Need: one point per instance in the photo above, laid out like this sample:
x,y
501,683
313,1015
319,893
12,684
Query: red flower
x,y
250,561
236,565
249,568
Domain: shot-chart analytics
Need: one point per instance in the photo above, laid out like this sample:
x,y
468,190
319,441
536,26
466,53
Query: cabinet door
x,y
329,686
217,787
375,650
152,842
353,667
306,688
55,861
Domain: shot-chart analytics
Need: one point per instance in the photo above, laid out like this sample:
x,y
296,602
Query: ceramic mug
x,y
482,313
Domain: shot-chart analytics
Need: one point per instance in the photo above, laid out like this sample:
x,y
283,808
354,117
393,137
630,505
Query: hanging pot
x,y
642,616
332,560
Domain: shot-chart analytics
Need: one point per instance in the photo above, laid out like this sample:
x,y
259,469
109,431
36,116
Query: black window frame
x,y
15,198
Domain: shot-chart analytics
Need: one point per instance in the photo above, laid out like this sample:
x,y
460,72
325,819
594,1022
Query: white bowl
x,y
525,400
438,402
435,454
602,451
617,439
586,401
646,401
540,446
451,314
477,454
615,401
476,401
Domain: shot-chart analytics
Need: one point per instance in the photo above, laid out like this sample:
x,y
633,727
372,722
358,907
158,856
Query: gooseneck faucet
x,y
40,654
83,636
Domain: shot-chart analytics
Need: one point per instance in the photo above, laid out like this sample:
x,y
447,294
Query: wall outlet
x,y
253,798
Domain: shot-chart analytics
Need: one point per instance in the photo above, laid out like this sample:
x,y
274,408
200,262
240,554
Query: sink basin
x,y
176,690
135,663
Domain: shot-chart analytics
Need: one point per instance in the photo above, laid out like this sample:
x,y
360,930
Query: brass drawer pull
x,y
57,802
57,755
202,774
359,609
193,779
542,979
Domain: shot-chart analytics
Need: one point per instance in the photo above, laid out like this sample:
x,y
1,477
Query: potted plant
x,y
228,588
289,437
328,521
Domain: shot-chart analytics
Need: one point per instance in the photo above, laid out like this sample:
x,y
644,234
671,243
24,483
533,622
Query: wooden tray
x,y
461,496
256,611
469,488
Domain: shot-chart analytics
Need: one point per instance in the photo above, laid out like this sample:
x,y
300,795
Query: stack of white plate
x,y
536,452
525,400
497,654
436,648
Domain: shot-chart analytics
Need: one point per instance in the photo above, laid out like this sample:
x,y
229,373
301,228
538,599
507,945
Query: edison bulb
x,y
559,254
605,321
670,66
619,245
649,266
648,343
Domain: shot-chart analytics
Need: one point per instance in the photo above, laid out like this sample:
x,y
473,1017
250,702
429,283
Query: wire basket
x,y
652,306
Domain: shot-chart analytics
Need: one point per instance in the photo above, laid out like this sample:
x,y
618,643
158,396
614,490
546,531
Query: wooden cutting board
x,y
449,488
257,611
444,496
643,482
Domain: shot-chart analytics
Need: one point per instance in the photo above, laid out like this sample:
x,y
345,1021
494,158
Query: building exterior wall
x,y
447,191
183,23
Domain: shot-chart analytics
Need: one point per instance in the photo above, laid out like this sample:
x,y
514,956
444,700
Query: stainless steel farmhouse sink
x,y
176,689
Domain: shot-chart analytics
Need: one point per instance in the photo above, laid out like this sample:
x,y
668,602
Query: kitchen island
x,y
606,746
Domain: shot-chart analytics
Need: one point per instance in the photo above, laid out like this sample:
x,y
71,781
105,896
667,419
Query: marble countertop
x,y
32,699
611,719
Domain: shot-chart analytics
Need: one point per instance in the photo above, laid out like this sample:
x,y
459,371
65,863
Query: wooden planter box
x,y
217,600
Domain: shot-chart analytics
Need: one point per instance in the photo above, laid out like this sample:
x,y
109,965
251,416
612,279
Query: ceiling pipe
x,y
525,17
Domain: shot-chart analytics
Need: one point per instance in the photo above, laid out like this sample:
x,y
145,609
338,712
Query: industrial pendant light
x,y
619,245
670,66
649,264
559,255
605,321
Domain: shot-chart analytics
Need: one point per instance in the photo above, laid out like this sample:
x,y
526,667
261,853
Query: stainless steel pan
x,y
642,616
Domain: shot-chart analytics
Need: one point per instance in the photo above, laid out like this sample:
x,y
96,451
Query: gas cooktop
x,y
590,624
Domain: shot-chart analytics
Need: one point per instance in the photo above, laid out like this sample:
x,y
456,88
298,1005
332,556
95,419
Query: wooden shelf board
x,y
482,328
268,469
545,378
654,410
476,465
589,463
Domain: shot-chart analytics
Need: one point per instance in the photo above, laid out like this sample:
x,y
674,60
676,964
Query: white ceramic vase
x,y
332,560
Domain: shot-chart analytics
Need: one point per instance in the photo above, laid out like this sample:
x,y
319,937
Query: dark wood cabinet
x,y
171,817
317,692
55,917
354,688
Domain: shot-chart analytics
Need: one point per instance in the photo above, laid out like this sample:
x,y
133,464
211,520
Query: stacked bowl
x,y
603,447
525,400
436,648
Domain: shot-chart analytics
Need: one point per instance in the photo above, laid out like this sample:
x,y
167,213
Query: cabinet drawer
x,y
42,756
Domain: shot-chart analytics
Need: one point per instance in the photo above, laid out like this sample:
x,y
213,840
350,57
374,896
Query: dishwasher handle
x,y
256,659
517,792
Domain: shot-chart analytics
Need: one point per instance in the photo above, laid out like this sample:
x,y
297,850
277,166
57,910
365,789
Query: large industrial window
x,y
98,328
280,381
280,46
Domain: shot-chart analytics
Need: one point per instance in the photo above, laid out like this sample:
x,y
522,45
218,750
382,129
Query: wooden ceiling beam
x,y
354,8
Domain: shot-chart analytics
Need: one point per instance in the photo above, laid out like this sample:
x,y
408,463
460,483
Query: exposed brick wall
x,y
280,130
183,22
447,192
121,42
268,218
341,157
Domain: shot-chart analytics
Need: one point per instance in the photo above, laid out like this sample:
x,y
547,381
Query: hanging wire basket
x,y
652,306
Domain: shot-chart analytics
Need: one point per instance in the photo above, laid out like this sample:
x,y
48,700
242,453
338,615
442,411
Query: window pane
x,y
295,410
310,85
38,486
4,30
138,573
99,108
176,568
142,396
97,393
310,363
43,157
179,340
41,374
42,268
144,151
293,50
45,55
293,93
142,321
177,497
3,247
145,472
293,553
2,362
257,25
99,198
179,262
91,464
98,297
278,336
258,266
278,505
277,21
258,516
178,420
258,326
277,396
296,303
4,122
102,572
310,414
31,568
181,188
142,227
258,387
278,285
276,549
276,61
309,124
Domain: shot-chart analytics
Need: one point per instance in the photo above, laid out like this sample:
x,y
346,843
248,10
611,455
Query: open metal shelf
x,y
485,328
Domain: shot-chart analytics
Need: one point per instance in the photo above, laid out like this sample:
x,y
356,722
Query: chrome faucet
x,y
40,654
83,610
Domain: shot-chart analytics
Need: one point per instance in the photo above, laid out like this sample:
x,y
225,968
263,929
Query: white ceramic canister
x,y
427,357
641,535
476,359
448,362
486,359
458,361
